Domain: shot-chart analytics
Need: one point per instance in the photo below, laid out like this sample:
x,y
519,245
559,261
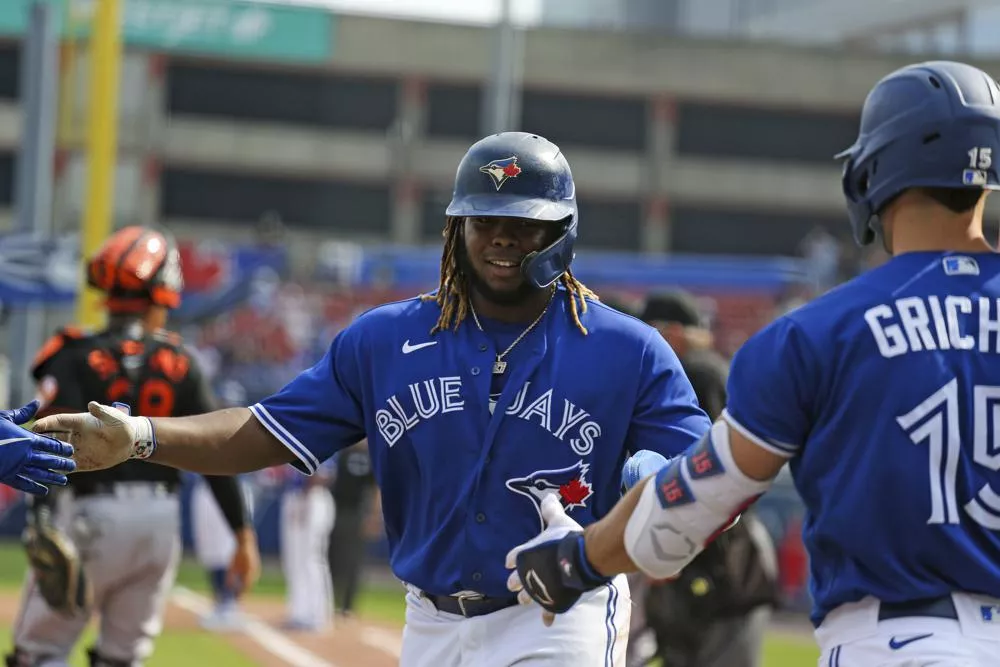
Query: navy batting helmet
x,y
521,175
933,124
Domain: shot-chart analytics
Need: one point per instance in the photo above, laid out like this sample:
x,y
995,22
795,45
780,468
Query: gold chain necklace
x,y
500,366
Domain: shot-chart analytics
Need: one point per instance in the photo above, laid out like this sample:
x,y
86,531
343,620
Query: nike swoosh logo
x,y
10,440
895,644
407,348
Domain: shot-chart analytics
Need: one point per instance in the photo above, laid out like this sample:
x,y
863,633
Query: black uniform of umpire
x,y
715,614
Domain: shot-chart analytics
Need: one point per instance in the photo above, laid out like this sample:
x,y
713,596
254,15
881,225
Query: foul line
x,y
269,639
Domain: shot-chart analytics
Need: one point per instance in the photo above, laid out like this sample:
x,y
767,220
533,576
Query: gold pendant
x,y
499,367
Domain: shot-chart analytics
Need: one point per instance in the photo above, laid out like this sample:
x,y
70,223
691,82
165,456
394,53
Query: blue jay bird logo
x,y
501,170
570,484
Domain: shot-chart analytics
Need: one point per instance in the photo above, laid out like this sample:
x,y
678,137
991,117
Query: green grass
x,y
192,575
382,603
785,651
173,648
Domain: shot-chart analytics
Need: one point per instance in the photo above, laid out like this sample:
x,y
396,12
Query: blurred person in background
x,y
716,613
308,514
356,498
822,252
677,316
112,545
214,548
214,544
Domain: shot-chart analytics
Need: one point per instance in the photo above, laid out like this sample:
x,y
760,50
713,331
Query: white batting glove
x,y
102,437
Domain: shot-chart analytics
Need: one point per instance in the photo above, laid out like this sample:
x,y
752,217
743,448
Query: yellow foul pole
x,y
65,129
102,145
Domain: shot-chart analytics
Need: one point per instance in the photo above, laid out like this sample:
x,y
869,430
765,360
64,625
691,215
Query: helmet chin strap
x,y
525,262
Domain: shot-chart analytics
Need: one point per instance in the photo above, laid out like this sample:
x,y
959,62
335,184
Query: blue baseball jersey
x,y
461,476
884,393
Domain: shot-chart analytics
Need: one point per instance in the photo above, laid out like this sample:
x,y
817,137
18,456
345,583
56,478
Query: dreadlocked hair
x,y
453,295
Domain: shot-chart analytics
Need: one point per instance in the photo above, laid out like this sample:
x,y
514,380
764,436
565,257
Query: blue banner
x,y
420,268
36,270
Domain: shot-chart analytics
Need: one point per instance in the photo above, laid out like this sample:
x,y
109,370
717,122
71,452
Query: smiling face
x,y
494,249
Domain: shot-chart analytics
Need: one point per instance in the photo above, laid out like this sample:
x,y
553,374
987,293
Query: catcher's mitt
x,y
58,572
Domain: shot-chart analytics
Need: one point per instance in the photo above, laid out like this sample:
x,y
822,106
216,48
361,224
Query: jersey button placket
x,y
480,518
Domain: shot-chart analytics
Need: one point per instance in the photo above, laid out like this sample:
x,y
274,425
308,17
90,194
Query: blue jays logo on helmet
x,y
527,176
934,125
570,484
501,170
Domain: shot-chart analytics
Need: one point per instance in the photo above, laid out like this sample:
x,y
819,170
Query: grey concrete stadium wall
x,y
659,68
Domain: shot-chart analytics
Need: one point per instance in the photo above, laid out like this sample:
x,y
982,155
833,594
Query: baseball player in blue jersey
x,y
883,394
508,384
31,462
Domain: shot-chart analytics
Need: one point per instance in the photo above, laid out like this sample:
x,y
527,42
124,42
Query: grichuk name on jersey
x,y
429,398
915,324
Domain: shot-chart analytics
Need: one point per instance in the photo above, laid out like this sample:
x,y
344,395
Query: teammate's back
x,y
900,472
883,395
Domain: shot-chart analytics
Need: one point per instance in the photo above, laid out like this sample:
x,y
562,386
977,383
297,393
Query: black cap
x,y
676,306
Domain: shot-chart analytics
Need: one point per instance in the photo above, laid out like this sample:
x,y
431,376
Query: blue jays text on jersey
x,y
461,479
885,394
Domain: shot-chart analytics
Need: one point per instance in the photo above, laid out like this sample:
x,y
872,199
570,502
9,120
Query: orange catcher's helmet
x,y
136,267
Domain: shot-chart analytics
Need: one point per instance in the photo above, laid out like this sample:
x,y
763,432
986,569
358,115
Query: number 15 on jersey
x,y
936,422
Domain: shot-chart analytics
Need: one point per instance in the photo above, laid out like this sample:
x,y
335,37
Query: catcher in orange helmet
x,y
115,548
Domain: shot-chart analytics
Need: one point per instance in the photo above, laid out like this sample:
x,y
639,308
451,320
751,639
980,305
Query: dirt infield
x,y
349,643
352,642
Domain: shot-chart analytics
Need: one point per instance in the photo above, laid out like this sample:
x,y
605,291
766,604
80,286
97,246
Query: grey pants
x,y
130,548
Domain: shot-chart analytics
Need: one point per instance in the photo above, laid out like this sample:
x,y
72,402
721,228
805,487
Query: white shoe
x,y
224,618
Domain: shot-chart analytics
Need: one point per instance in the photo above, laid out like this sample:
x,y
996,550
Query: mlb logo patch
x,y
974,177
960,265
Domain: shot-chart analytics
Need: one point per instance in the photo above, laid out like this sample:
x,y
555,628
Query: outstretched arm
x,y
311,418
224,442
659,527
668,519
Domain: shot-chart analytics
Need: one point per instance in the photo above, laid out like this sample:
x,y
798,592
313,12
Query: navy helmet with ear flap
x,y
521,175
934,124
